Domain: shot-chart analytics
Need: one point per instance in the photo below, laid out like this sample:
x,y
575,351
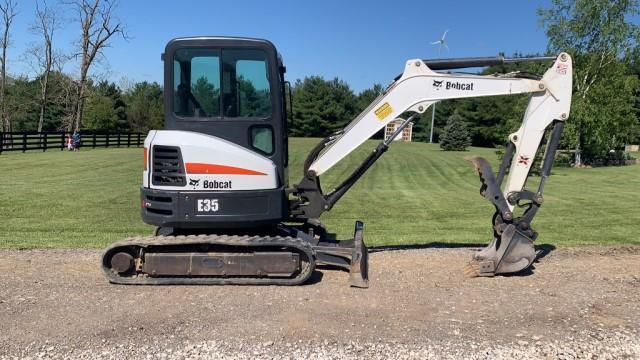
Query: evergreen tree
x,y
455,136
21,104
145,109
366,97
207,96
253,102
321,106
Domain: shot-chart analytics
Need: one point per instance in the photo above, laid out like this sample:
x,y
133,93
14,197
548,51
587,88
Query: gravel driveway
x,y
577,303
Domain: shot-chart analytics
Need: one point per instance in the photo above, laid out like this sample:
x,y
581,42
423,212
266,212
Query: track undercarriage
x,y
287,257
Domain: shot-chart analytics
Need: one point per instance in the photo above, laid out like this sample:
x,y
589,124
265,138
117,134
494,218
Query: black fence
x,y
26,141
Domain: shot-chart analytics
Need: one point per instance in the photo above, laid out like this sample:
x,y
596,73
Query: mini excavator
x,y
215,181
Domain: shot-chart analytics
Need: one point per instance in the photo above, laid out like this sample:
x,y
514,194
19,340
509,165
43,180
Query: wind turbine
x,y
442,43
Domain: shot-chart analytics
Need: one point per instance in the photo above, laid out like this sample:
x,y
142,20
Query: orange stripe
x,y
199,168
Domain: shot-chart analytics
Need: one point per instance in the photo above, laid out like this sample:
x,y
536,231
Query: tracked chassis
x,y
288,259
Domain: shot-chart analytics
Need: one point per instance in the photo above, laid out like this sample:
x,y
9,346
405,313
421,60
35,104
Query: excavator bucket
x,y
512,249
511,252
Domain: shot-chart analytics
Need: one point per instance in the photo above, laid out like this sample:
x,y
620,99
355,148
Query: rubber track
x,y
303,247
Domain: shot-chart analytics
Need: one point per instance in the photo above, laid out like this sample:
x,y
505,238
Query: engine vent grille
x,y
168,168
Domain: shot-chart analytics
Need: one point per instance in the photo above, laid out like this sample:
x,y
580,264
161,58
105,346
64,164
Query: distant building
x,y
405,135
632,148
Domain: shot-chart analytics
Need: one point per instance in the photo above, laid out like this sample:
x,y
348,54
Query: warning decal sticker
x,y
383,111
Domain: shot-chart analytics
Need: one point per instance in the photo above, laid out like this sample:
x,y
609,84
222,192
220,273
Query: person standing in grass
x,y
69,142
76,140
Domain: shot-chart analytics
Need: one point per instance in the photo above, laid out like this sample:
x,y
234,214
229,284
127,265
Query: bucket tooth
x,y
511,253
479,268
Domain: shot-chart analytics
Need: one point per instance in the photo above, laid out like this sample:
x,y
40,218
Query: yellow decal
x,y
384,111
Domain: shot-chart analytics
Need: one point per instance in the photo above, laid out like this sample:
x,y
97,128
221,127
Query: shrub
x,y
455,135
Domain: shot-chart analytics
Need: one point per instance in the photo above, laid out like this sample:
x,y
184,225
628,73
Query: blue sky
x,y
361,42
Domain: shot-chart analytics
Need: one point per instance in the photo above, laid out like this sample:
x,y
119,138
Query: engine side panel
x,y
214,164
213,210
219,184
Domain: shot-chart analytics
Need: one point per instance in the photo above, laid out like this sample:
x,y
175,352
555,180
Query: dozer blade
x,y
512,252
359,271
351,255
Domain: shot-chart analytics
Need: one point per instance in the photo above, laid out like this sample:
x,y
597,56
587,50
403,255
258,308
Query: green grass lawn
x,y
415,194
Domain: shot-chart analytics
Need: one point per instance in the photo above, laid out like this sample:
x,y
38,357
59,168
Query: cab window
x,y
213,83
196,83
262,139
245,89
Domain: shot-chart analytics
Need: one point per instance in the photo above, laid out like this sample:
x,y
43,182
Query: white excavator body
x,y
215,182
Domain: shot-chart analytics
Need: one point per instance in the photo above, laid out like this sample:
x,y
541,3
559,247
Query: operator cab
x,y
231,88
221,160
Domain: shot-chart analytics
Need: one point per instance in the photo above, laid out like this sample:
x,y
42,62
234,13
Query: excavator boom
x,y
420,87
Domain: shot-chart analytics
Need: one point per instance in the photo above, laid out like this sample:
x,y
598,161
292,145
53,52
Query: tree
x,y
21,103
145,109
599,35
607,114
455,136
253,102
47,22
99,113
66,98
634,70
366,97
207,96
105,108
321,106
98,25
61,101
8,11
114,93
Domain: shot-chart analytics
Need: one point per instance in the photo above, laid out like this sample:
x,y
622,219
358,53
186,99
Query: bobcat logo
x,y
562,69
437,84
194,182
523,160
